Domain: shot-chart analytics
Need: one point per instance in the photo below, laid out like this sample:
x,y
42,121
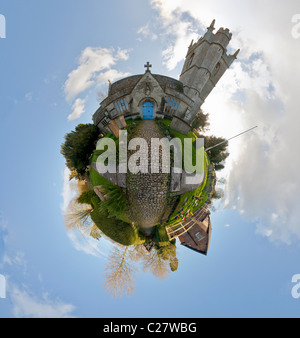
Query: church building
x,y
151,96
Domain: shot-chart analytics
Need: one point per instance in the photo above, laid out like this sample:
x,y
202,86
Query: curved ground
x,y
147,193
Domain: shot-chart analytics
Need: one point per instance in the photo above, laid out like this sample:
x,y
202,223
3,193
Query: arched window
x,y
217,68
191,59
121,105
171,105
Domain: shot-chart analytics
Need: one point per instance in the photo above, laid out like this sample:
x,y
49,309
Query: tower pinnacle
x,y
212,25
236,53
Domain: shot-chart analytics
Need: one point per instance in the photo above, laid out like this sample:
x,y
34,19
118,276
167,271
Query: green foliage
x,y
218,154
129,121
109,216
168,253
89,197
78,147
174,264
219,166
200,121
116,203
217,194
118,231
161,237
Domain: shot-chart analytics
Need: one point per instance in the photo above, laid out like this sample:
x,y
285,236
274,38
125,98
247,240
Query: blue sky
x,y
56,57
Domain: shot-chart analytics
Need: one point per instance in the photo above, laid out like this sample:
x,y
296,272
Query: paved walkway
x,y
147,193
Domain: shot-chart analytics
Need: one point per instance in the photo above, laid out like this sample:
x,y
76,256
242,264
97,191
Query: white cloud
x,y
78,109
91,62
26,304
17,260
28,96
146,32
94,69
85,243
174,53
69,189
261,88
111,75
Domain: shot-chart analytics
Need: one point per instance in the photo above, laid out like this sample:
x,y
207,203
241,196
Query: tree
x,y
78,147
156,264
218,194
78,217
168,253
200,121
161,260
119,271
95,232
115,205
119,275
218,154
174,264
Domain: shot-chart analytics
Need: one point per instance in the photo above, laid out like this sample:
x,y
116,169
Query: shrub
x,y
89,197
78,147
116,203
118,231
161,237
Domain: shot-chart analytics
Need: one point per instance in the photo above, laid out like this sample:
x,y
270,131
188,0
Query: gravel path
x,y
147,193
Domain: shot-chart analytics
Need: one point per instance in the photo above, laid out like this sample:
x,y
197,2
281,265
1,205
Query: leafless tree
x,y
156,264
77,216
119,275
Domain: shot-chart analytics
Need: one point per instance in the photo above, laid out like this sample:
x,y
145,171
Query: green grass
x,y
187,201
129,121
188,159
96,179
167,123
115,206
118,196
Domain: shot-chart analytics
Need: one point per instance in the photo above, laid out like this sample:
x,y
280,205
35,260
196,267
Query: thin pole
x,y
244,132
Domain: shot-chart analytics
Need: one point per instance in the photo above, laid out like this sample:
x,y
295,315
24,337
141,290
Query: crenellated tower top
x,y
206,62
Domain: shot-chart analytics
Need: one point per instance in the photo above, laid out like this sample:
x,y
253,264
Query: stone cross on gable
x,y
148,66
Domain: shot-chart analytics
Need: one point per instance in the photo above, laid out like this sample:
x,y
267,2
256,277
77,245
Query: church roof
x,y
130,82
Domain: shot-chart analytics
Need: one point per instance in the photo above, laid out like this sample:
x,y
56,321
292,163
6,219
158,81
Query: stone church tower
x,y
205,63
151,96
